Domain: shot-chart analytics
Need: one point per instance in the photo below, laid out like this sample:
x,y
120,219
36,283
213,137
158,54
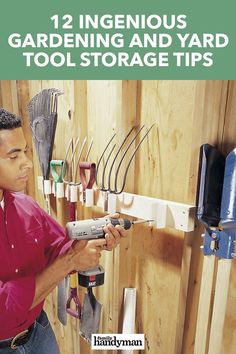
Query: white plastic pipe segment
x,y
47,186
40,183
129,310
111,203
89,197
60,190
129,314
73,193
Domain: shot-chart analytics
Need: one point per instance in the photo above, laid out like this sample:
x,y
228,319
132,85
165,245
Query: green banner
x,y
102,39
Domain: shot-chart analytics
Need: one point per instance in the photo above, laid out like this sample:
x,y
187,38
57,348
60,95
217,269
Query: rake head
x,y
42,111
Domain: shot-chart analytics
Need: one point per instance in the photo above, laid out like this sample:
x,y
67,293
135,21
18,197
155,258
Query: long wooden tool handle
x,y
60,211
219,307
204,307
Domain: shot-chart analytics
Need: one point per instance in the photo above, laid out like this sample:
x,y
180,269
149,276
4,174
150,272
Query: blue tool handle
x,y
228,201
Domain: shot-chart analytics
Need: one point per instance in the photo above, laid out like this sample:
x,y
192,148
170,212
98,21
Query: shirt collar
x,y
8,197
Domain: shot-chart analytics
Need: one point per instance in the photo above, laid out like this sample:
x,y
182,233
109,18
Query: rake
x,y
42,111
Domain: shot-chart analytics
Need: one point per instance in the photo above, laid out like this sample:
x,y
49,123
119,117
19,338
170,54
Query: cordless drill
x,y
92,229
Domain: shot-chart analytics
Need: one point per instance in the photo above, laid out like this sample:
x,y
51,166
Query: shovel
x,y
68,300
209,198
91,311
90,317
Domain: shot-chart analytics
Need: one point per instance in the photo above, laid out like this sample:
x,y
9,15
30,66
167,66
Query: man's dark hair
x,y
9,120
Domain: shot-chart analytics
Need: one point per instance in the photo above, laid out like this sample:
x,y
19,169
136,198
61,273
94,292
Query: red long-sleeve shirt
x,y
29,241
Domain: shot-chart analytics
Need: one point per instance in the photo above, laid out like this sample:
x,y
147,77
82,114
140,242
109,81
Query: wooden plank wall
x,y
163,265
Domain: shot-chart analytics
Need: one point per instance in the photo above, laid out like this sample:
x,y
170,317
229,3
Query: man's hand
x,y
82,255
86,254
113,234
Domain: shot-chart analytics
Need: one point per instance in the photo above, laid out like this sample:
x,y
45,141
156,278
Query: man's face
x,y
14,164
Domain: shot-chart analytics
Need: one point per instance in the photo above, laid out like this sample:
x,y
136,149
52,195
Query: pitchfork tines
x,y
117,164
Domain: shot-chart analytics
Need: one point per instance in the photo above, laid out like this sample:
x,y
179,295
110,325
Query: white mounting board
x,y
165,213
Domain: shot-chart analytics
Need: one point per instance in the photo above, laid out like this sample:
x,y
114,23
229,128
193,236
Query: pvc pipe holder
x,y
165,213
89,198
129,310
47,187
60,190
73,193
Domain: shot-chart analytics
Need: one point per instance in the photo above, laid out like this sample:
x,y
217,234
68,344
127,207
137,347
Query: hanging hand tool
x,y
42,111
72,186
91,310
91,314
73,297
66,306
210,184
56,168
224,244
87,185
63,286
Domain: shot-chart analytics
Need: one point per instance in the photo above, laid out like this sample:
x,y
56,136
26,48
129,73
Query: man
x,y
35,253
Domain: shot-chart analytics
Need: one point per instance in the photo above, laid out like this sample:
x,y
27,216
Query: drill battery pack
x,y
92,277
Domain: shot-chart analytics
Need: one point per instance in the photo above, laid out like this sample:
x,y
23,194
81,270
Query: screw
x,y
70,114
201,247
233,255
202,235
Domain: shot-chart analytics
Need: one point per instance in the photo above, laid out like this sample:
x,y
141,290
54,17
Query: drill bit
x,y
140,221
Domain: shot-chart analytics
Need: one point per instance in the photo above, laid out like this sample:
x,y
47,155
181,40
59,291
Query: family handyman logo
x,y
117,341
